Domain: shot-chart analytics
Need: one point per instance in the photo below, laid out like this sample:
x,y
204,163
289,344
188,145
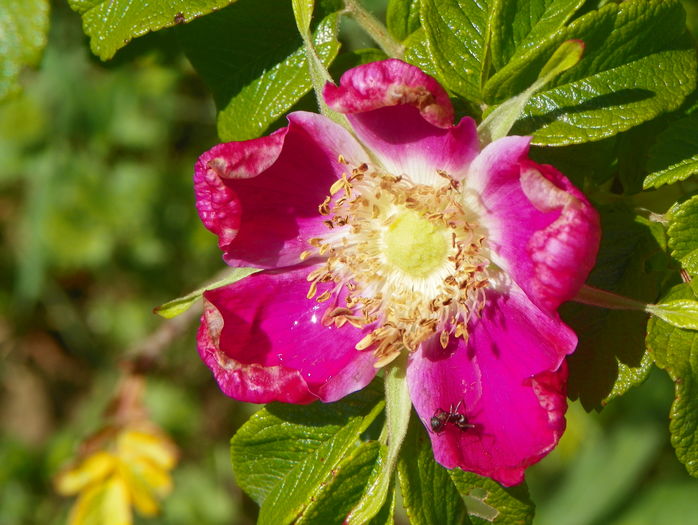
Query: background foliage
x,y
98,227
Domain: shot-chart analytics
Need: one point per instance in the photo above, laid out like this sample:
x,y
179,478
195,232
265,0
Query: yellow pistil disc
x,y
402,256
415,245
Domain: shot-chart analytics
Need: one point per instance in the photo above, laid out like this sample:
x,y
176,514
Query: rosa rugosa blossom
x,y
401,237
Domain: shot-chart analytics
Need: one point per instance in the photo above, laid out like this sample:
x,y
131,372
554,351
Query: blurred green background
x,y
98,226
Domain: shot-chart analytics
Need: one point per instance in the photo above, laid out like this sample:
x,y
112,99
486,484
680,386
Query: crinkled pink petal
x,y
390,83
542,230
265,341
509,381
384,102
261,196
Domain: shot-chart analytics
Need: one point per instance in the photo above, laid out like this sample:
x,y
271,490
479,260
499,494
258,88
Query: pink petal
x,y
405,117
390,83
261,196
542,230
265,341
508,379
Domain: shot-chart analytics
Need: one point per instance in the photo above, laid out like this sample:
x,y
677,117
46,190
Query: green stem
x,y
596,297
374,28
398,408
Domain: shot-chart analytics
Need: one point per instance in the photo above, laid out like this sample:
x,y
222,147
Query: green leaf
x,y
417,53
458,34
489,503
23,34
674,157
630,376
524,23
253,59
303,11
111,24
498,123
279,439
421,477
681,314
676,351
683,235
180,305
402,18
288,499
335,499
638,64
612,339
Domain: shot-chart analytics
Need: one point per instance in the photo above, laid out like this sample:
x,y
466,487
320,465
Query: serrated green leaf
x,y
676,351
334,500
630,376
252,57
279,438
421,477
417,52
288,499
611,338
683,234
524,23
488,503
498,123
111,24
458,34
402,18
674,157
638,64
23,34
347,482
180,305
681,314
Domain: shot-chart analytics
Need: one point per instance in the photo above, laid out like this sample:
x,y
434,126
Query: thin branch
x,y
375,29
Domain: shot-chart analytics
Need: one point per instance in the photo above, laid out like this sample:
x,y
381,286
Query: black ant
x,y
442,418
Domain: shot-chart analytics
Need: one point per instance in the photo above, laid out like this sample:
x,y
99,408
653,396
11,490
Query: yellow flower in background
x,y
126,467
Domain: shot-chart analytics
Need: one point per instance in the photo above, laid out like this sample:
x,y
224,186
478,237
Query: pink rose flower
x,y
404,236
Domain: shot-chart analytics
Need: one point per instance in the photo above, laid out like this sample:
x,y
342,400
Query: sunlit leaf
x,y
421,477
676,351
252,57
638,64
180,305
683,234
111,24
674,156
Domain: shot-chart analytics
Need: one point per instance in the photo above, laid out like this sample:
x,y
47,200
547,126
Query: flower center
x,y
414,244
403,260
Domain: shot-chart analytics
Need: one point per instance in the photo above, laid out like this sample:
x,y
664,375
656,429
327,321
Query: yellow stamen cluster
x,y
400,257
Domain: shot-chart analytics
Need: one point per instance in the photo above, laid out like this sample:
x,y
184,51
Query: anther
x,y
365,342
